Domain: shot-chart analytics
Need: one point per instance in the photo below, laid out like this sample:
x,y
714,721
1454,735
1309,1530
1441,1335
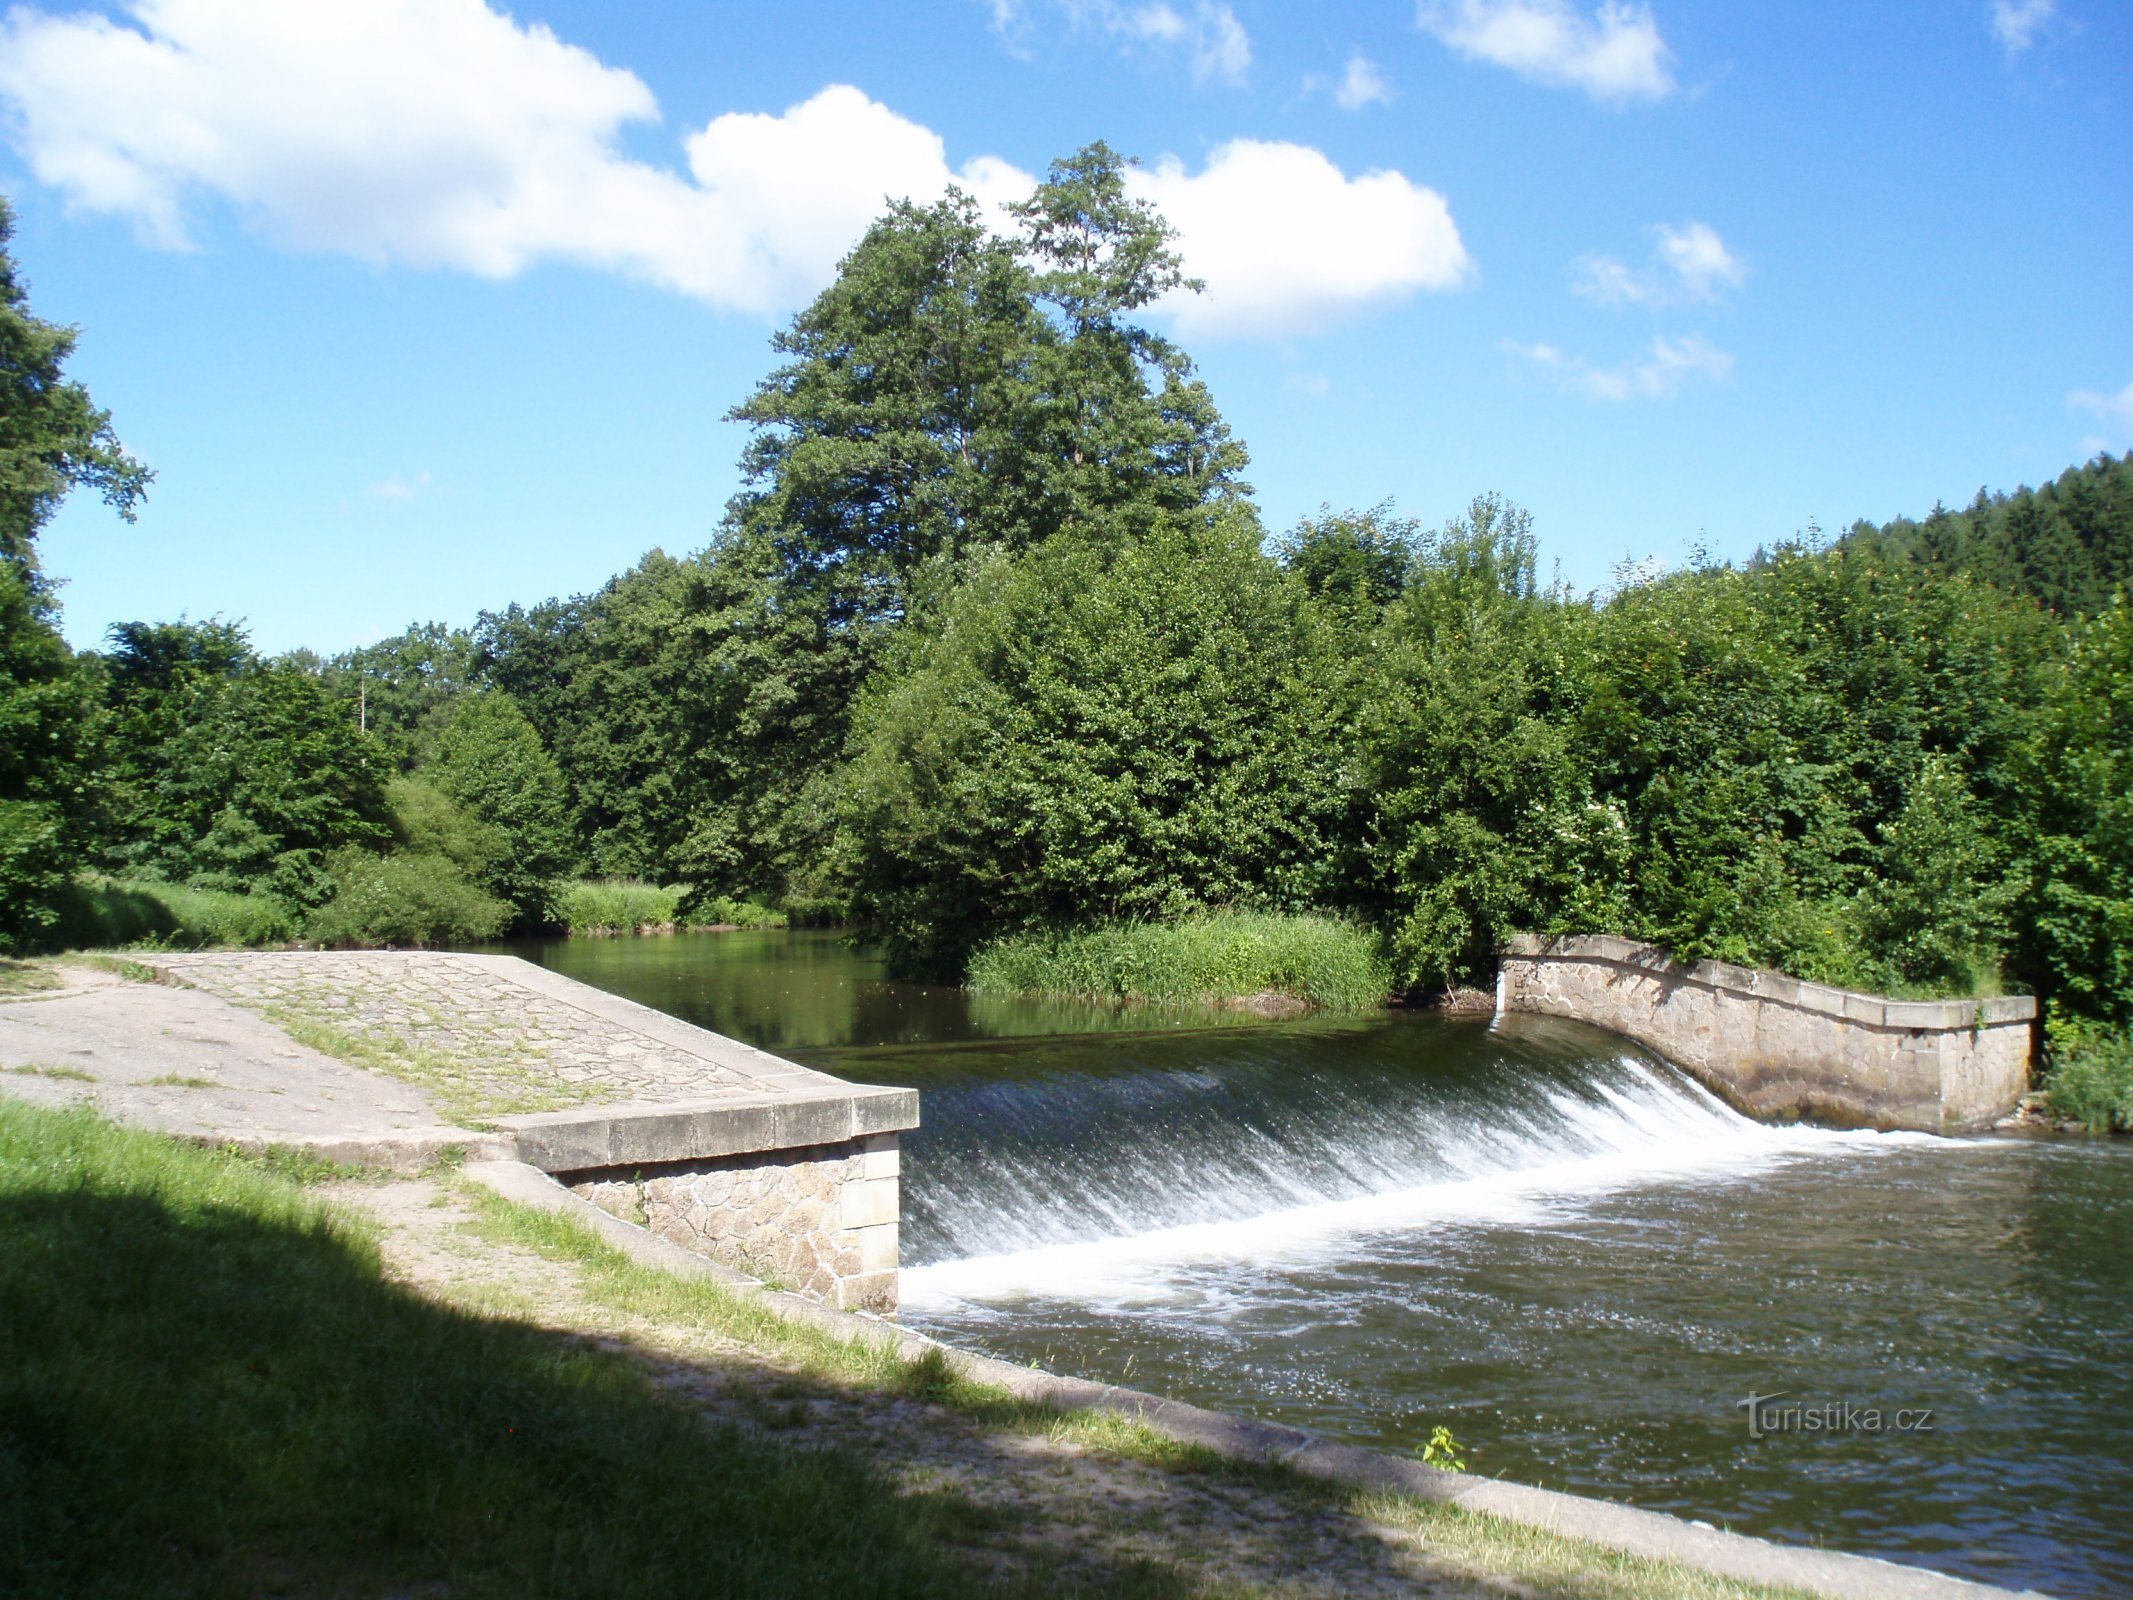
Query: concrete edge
x,y
408,1153
656,1132
1624,1529
1765,984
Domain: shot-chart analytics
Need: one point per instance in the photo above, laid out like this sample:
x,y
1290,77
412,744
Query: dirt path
x,y
1042,1501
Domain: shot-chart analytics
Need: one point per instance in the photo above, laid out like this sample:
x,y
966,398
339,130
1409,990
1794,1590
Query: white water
x,y
1162,1209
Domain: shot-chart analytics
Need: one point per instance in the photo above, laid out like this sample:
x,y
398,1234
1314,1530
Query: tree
x,y
1091,729
53,438
489,761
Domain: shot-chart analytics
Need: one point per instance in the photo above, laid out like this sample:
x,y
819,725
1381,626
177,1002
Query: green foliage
x,y
2076,775
1356,560
489,760
618,905
53,438
233,773
1092,729
1324,961
408,898
2068,544
727,911
2089,1074
1443,1450
98,912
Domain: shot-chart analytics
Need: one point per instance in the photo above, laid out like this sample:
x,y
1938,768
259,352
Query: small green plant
x,y
1443,1450
37,1069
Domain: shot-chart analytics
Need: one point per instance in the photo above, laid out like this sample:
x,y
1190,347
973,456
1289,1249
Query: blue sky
x,y
420,306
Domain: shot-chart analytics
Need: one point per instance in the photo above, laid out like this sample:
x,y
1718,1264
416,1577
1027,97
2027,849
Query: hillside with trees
x,y
993,640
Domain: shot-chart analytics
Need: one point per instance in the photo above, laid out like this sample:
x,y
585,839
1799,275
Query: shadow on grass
x,y
206,1387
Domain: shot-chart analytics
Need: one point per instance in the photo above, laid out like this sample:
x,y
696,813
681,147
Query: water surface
x,y
1532,1232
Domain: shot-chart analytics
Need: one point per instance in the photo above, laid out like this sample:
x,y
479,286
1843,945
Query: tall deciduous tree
x,y
53,438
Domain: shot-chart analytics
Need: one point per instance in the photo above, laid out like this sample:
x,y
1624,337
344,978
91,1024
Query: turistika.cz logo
x,y
1766,1417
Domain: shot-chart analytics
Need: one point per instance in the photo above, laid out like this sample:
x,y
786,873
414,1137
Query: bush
x,y
2091,1075
617,905
727,910
103,912
1325,961
407,899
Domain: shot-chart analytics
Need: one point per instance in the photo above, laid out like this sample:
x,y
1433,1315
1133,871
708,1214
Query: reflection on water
x,y
1533,1233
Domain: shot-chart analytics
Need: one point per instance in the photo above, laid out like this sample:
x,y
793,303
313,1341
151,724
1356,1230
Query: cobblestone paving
x,y
480,1044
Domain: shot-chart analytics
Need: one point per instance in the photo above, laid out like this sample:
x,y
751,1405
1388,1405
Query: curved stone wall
x,y
1779,1048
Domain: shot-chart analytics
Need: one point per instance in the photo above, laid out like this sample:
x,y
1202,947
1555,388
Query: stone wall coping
x,y
1761,983
645,1133
1650,1534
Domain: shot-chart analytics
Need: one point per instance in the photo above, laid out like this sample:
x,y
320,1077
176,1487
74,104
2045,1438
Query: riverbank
x,y
282,1310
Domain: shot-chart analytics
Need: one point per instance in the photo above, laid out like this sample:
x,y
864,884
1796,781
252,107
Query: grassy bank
x,y
207,1387
601,907
1322,961
107,913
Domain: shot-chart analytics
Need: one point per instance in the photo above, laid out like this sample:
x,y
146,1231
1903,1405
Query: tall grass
x,y
1322,961
104,912
617,905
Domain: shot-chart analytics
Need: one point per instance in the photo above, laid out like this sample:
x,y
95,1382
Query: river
x,y
1534,1233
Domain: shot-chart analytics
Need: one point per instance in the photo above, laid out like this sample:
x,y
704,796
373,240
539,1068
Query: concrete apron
x,y
1648,1534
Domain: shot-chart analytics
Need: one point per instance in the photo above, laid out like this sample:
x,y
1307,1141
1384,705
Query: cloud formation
x,y
1657,374
1361,85
2114,411
2018,23
1287,242
443,134
1689,263
1208,38
1615,55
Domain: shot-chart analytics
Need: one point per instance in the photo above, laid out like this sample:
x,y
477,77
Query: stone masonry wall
x,y
1776,1047
821,1220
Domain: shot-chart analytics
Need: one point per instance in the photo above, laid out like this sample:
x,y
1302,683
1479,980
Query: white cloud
x,y
1657,374
400,489
1615,55
1689,263
1315,385
1208,38
1361,85
2115,411
1287,242
2017,23
440,133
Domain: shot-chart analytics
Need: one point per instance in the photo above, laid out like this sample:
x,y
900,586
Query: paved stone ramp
x,y
491,1036
189,1064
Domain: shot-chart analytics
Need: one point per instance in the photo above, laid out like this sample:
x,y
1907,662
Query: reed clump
x,y
1328,963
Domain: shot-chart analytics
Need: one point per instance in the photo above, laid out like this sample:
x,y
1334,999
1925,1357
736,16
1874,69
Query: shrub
x,y
98,911
739,912
1324,961
2091,1075
617,905
406,899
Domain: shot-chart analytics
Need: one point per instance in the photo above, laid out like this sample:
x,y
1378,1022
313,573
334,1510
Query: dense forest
x,y
993,640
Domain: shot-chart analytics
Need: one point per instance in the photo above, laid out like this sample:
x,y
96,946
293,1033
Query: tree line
x,y
993,639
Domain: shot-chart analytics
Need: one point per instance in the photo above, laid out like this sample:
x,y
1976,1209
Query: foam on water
x,y
1324,1183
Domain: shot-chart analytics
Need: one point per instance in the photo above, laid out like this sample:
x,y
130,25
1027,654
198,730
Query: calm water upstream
x,y
1534,1233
